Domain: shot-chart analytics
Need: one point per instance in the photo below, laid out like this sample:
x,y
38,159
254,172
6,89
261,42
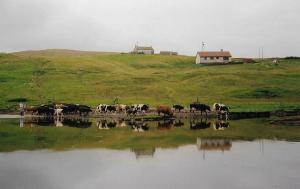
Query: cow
x,y
101,108
31,109
69,109
84,110
45,110
121,108
221,109
165,110
140,107
131,111
178,107
111,108
58,112
144,108
199,107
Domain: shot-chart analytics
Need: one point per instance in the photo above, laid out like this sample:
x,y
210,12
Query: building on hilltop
x,y
142,50
211,57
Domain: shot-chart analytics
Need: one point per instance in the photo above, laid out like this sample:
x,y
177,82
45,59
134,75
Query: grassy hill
x,y
93,77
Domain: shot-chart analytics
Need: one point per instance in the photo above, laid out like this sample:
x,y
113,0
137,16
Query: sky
x,y
240,26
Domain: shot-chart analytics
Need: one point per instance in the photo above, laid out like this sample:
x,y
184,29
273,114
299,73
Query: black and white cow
x,y
140,107
104,108
221,109
101,108
178,107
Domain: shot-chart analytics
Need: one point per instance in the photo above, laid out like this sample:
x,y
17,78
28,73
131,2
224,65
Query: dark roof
x,y
214,54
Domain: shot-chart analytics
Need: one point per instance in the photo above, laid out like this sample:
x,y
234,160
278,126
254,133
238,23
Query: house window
x,y
205,58
226,58
211,58
217,58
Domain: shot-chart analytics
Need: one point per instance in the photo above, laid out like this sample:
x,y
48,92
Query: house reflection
x,y
214,144
143,153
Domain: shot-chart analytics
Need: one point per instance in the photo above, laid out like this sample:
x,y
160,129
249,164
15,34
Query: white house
x,y
210,57
143,50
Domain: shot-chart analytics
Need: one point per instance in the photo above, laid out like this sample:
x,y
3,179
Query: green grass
x,y
64,138
93,78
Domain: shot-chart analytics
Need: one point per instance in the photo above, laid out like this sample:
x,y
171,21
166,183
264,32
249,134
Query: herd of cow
x,y
61,109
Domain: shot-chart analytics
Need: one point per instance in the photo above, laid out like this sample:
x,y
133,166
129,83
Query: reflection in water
x,y
143,153
109,123
221,124
106,124
58,122
78,123
214,144
243,167
139,126
164,125
196,124
178,123
121,123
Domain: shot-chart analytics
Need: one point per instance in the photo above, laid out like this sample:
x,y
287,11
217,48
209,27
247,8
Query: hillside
x,y
93,78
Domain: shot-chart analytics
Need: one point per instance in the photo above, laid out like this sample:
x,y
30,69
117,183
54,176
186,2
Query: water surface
x,y
258,164
110,153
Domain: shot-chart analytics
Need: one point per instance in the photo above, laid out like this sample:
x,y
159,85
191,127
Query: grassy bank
x,y
93,78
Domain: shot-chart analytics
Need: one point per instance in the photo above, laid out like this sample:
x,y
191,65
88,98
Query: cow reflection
x,y
105,125
178,123
199,124
42,121
25,123
121,123
221,125
138,126
58,121
78,123
165,125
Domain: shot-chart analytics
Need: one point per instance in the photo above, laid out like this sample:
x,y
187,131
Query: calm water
x,y
258,164
207,163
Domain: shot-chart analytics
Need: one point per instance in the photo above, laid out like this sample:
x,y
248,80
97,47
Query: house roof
x,y
143,48
214,54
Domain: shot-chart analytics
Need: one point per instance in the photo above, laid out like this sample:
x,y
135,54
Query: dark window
x,y
205,58
226,58
211,58
217,58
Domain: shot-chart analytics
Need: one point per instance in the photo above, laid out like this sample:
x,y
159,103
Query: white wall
x,y
146,51
201,60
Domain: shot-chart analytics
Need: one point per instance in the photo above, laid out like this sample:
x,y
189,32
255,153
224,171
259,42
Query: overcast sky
x,y
241,26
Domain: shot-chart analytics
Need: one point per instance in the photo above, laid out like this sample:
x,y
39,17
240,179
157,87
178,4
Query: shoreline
x,y
153,116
